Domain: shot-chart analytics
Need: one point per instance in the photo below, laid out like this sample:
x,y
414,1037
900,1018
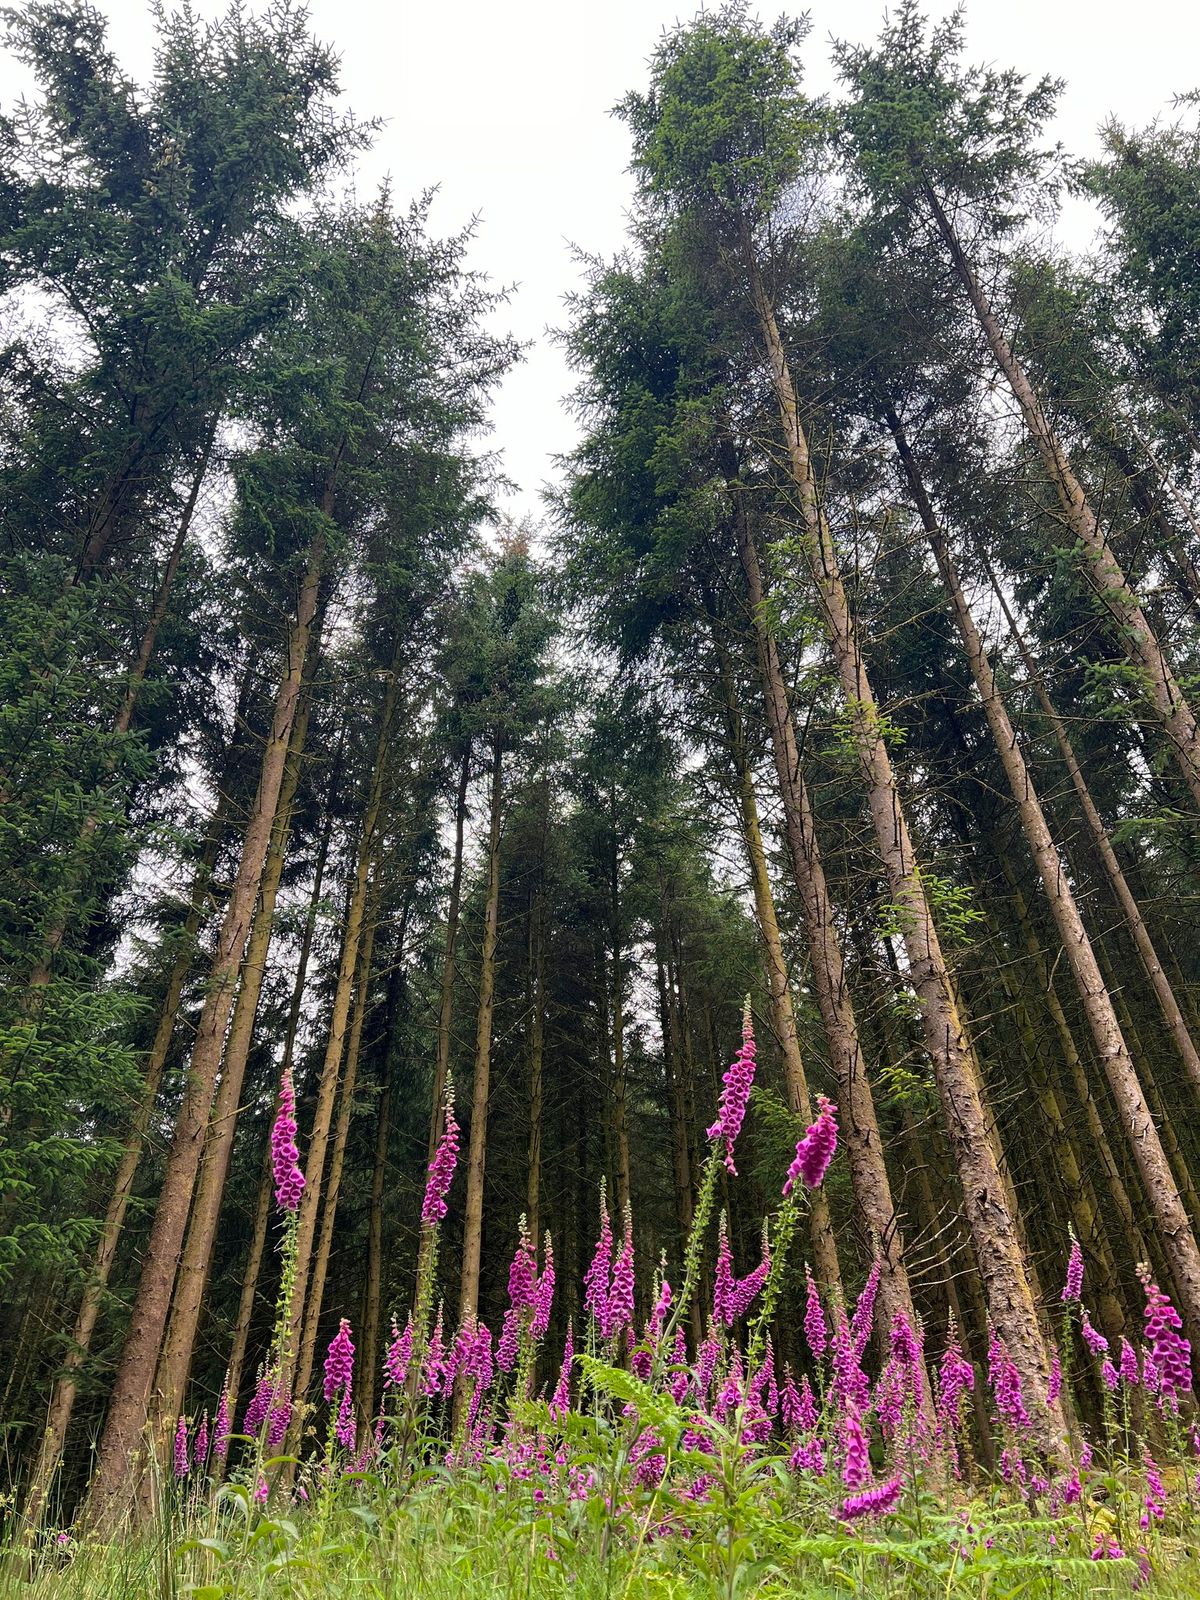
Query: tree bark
x,y
446,1008
1112,1051
997,1246
860,1127
468,1296
120,1458
175,1360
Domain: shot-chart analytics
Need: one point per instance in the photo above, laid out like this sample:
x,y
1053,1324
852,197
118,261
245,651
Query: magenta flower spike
x,y
222,1428
856,1464
816,1150
434,1370
1168,1365
200,1444
339,1362
281,1417
560,1402
875,1502
864,1310
596,1279
723,1280
1073,1287
620,1300
1006,1385
182,1456
1129,1364
543,1293
260,1403
1054,1387
816,1330
1092,1337
399,1355
285,1154
441,1168
346,1429
735,1093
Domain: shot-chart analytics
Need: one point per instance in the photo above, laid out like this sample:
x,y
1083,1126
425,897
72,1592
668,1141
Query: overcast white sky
x,y
506,107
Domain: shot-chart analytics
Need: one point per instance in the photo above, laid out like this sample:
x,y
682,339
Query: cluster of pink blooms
x,y
816,1150
735,1094
441,1168
732,1296
1168,1363
285,1154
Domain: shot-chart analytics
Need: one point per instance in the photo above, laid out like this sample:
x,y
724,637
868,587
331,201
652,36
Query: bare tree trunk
x,y
1164,993
783,1018
1173,1223
373,1288
997,1246
262,1210
337,1162
860,1126
468,1296
119,1461
1098,566
175,1360
339,1016
619,1116
446,1009
537,1046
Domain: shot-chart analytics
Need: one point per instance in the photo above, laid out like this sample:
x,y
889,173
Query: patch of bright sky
x,y
506,107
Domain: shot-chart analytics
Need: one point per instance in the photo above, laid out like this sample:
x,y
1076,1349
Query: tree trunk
x,y
1164,993
120,1454
1173,1223
860,1127
337,1161
537,1046
783,1017
468,1296
339,1016
996,1242
175,1361
446,1009
262,1210
1098,566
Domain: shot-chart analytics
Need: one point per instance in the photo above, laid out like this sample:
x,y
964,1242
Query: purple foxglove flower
x,y
1109,1375
441,1168
1006,1385
875,1502
706,1361
596,1279
815,1151
1073,1287
620,1300
1129,1364
735,1094
182,1457
659,1315
864,1310
560,1403
1155,1502
399,1354
281,1417
856,1463
956,1376
1054,1387
1092,1337
543,1294
723,1279
434,1369
346,1430
222,1428
260,1404
285,1155
815,1330
510,1338
809,1456
1169,1354
745,1290
339,1362
200,1445
522,1274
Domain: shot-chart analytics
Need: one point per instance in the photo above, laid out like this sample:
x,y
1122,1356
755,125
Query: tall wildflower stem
x,y
701,1218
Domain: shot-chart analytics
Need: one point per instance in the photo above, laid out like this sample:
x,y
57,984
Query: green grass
x,y
482,1533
